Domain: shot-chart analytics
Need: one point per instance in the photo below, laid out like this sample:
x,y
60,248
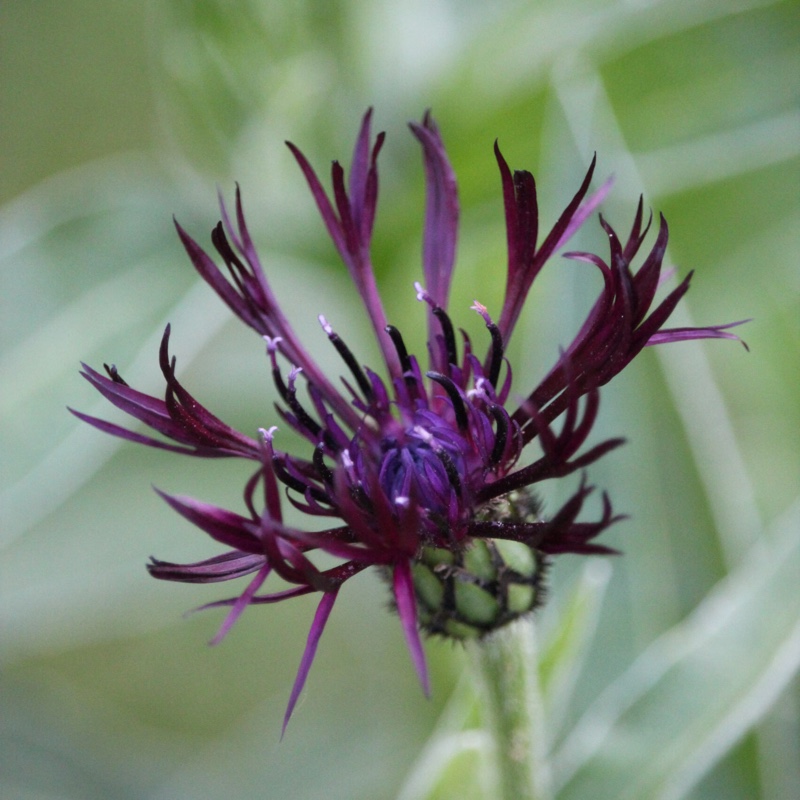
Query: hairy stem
x,y
506,672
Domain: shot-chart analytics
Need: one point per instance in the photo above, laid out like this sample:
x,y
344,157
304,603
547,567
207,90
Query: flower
x,y
418,472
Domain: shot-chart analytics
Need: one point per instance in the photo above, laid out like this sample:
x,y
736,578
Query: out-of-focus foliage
x,y
672,675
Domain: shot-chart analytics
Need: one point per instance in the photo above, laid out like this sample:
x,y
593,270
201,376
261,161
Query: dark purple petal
x,y
225,567
363,183
317,627
225,526
568,536
648,277
638,233
118,392
336,576
261,599
321,198
584,212
251,299
198,424
555,237
685,334
338,542
131,436
351,230
211,274
441,215
204,434
660,315
147,409
240,605
407,611
287,559
524,260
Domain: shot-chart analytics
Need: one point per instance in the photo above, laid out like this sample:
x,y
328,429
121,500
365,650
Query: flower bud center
x,y
422,466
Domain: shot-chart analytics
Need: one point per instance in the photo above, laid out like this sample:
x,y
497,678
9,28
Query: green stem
x,y
506,671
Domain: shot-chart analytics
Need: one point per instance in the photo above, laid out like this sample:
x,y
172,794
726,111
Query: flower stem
x,y
506,671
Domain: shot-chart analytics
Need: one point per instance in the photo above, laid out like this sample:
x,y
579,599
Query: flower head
x,y
421,471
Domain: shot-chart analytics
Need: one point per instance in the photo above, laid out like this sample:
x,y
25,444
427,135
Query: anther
x,y
114,374
293,482
449,468
348,358
496,357
302,415
455,397
448,333
400,347
220,241
444,322
322,468
501,435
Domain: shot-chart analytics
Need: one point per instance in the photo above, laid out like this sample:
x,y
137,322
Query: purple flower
x,y
421,472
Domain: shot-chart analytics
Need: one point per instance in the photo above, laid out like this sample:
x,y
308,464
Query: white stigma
x,y
293,373
268,433
426,436
272,343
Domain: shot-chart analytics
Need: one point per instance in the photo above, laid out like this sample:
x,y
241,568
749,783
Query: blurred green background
x,y
117,115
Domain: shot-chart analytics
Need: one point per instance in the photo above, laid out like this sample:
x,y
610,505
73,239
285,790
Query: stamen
x,y
348,358
277,378
232,261
444,321
349,467
302,415
449,468
455,397
501,435
298,484
286,478
322,468
114,374
496,359
442,455
400,347
479,391
448,333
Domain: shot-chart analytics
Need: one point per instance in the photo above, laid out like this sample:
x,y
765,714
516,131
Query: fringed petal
x,y
317,627
667,335
525,261
240,605
441,216
225,567
351,229
407,611
220,524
